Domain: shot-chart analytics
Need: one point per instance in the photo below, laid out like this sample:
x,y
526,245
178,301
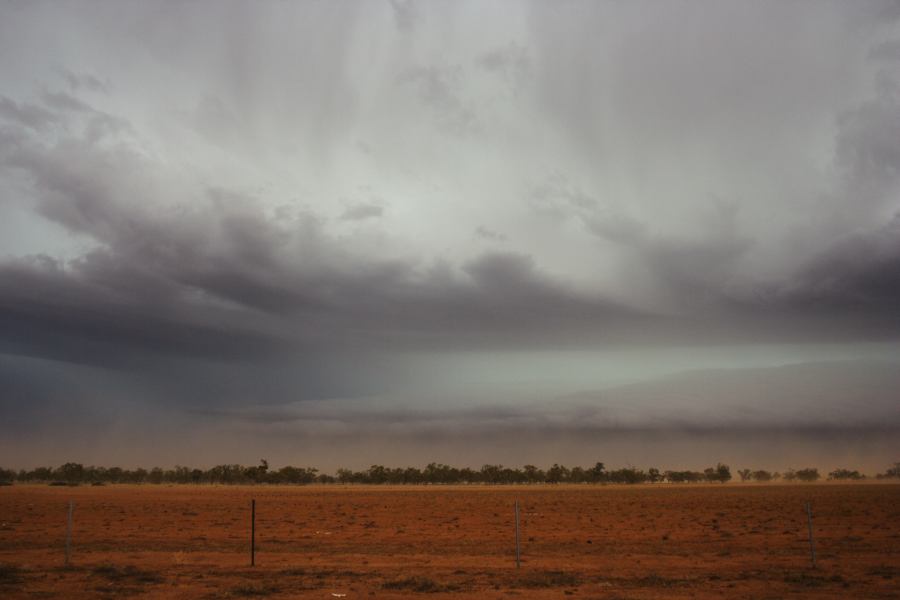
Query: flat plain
x,y
613,542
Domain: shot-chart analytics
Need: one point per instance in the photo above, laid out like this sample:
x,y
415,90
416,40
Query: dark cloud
x,y
99,311
440,88
30,115
405,14
512,62
557,196
180,278
889,50
224,280
489,234
65,102
359,212
765,417
83,81
868,153
811,395
857,275
683,270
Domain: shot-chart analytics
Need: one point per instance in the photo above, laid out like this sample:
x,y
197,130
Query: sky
x,y
333,233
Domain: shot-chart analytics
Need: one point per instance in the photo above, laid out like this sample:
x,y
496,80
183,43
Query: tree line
x,y
435,473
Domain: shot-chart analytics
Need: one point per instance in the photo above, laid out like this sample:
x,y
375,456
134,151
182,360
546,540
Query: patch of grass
x,y
805,580
654,580
422,585
547,579
127,573
10,575
250,590
884,571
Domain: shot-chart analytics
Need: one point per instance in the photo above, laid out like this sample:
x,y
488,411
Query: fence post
x,y
518,550
253,533
812,544
69,533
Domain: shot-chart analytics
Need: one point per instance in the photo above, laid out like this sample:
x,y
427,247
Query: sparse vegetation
x,y
721,473
127,573
844,474
654,580
7,476
250,590
418,584
10,575
892,473
547,579
433,473
806,475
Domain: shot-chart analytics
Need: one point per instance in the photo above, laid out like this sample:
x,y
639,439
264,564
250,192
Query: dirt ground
x,y
731,541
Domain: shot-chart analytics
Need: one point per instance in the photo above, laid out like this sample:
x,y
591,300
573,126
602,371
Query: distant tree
x,y
155,475
434,473
761,476
293,475
723,473
806,475
597,473
491,473
720,473
178,474
38,474
578,475
629,475
532,474
411,475
377,474
70,472
440,473
891,473
683,476
843,474
557,474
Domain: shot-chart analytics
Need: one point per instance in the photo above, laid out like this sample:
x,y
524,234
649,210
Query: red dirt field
x,y
730,541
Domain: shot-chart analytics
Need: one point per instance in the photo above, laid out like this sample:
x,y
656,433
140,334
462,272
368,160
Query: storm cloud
x,y
216,211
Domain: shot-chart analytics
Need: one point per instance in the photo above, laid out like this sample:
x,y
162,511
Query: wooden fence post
x,y
253,533
518,550
69,533
812,544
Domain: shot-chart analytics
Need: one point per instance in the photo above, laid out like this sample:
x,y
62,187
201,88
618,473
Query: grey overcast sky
x,y
339,232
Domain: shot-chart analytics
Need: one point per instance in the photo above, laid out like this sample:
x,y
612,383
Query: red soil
x,y
731,541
